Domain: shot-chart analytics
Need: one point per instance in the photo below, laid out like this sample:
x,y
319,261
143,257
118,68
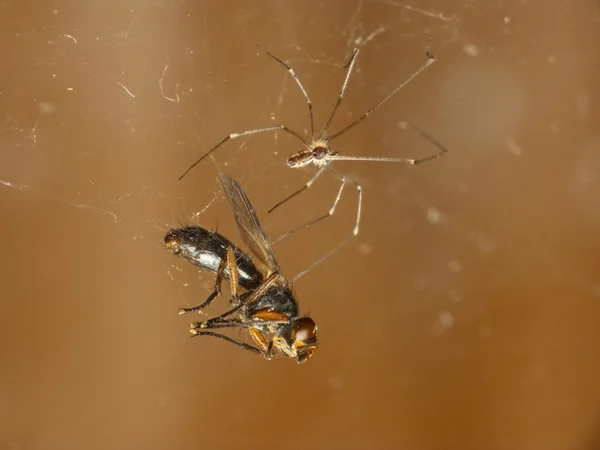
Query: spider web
x,y
102,114
103,105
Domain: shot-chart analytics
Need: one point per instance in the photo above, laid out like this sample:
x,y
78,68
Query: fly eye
x,y
305,329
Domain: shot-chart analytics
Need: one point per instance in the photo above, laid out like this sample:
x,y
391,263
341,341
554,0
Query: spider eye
x,y
305,330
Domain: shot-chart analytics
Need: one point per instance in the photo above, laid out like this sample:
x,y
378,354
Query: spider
x,y
318,150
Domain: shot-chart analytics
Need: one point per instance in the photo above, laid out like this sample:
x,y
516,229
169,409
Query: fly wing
x,y
248,224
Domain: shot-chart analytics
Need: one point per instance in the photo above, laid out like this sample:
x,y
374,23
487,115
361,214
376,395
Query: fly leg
x,y
228,262
266,347
263,348
240,344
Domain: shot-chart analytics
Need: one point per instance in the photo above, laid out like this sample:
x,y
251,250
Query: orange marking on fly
x,y
270,316
266,308
259,339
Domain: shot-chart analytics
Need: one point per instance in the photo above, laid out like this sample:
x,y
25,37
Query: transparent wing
x,y
248,224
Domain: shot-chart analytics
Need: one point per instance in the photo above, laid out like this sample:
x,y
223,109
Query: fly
x,y
267,308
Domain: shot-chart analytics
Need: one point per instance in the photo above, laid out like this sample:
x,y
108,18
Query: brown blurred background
x,y
466,315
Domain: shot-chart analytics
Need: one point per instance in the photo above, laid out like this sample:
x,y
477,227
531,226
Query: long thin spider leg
x,y
442,149
297,80
303,188
358,187
322,258
341,96
344,178
441,152
430,60
240,344
237,135
318,219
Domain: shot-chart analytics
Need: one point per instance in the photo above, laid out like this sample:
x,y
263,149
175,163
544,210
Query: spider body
x,y
317,150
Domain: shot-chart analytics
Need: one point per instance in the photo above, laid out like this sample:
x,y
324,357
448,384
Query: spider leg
x,y
350,66
430,60
303,188
412,161
242,134
343,178
297,80
324,216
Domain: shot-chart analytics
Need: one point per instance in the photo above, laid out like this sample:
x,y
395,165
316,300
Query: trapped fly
x,y
267,308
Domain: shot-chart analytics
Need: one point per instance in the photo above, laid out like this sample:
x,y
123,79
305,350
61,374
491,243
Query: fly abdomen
x,y
206,249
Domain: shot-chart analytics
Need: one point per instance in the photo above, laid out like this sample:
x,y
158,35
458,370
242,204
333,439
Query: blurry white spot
x,y
471,49
420,282
480,104
434,215
484,330
336,382
365,249
539,372
405,226
163,401
446,320
583,103
455,266
485,245
455,296
402,125
45,107
513,147
506,19
239,414
69,89
552,59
